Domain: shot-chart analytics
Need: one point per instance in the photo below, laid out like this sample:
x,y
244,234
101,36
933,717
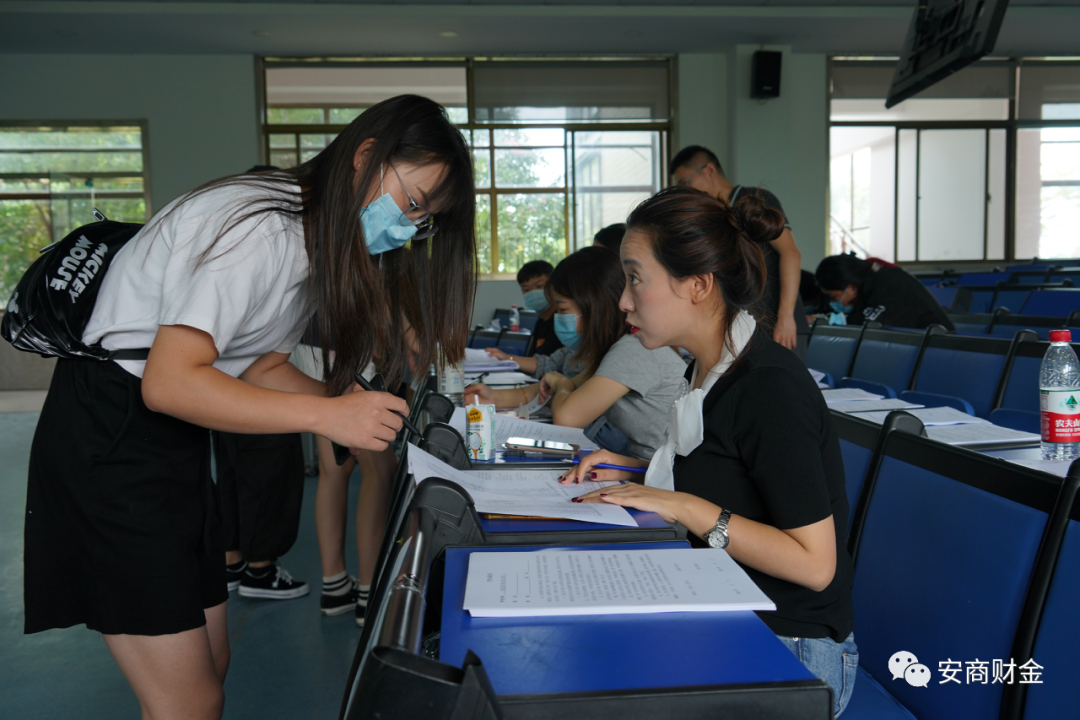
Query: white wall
x,y
492,294
701,116
781,143
200,108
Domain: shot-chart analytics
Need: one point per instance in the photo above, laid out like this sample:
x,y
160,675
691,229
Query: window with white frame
x,y
560,150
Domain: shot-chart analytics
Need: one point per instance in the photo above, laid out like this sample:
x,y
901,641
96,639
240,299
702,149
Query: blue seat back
x,y
935,580
831,349
1028,268
513,345
1064,275
981,301
1022,385
984,278
856,461
943,295
963,328
887,358
1013,300
965,367
1058,638
483,339
1052,303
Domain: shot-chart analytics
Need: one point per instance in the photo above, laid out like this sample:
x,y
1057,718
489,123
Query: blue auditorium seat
x,y
831,348
857,440
1012,300
983,278
1053,303
934,579
884,361
1058,638
513,343
959,367
944,295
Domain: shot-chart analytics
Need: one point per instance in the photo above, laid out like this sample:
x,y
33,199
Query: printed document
x,y
983,433
848,395
599,582
867,406
931,416
535,493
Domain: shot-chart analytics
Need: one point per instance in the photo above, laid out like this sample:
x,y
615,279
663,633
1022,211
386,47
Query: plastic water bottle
x,y
451,381
515,319
1059,399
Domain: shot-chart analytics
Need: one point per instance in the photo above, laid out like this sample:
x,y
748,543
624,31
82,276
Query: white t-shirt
x,y
250,295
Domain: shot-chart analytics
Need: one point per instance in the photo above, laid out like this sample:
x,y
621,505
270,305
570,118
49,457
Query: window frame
x,y
1011,125
568,188
144,151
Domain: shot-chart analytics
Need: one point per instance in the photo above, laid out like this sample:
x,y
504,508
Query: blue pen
x,y
609,466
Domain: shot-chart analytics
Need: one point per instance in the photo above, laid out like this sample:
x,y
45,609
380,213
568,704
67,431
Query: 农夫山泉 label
x,y
1060,415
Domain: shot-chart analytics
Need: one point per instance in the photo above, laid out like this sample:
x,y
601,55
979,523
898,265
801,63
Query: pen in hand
x,y
341,453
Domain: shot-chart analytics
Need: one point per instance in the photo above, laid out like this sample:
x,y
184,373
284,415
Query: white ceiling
x,y
560,27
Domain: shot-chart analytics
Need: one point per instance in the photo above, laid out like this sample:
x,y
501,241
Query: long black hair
x,y
593,278
363,303
836,272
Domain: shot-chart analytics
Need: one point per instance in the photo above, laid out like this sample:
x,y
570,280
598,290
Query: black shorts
x,y
123,531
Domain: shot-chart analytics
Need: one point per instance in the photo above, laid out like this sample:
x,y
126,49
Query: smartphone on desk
x,y
548,447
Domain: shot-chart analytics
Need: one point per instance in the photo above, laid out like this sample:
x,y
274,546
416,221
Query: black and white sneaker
x,y
234,573
361,606
331,604
275,583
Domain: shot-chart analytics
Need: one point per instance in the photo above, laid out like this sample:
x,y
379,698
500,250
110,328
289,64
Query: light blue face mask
x,y
566,330
382,224
536,300
839,307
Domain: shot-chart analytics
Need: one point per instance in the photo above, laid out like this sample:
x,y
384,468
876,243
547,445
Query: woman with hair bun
x,y
752,462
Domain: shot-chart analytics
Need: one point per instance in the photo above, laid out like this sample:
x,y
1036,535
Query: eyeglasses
x,y
685,182
425,223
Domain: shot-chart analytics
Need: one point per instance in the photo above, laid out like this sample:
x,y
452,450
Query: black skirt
x,y
123,531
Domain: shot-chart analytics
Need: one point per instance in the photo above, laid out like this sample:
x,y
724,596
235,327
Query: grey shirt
x,y
655,377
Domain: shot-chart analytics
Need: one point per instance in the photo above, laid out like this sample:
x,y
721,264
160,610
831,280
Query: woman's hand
x,y
364,420
498,354
554,382
485,393
665,503
584,470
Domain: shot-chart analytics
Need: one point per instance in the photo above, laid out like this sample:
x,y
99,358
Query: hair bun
x,y
760,223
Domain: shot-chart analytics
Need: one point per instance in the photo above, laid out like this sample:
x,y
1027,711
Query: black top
x,y
547,341
770,454
770,301
895,298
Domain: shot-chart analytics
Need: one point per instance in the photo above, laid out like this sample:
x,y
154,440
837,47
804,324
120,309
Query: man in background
x,y
699,168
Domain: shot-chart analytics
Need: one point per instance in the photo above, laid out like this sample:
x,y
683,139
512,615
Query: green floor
x,y
287,660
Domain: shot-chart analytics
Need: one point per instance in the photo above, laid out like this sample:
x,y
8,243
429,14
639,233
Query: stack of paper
x,y
477,360
848,395
931,416
532,493
819,378
953,427
598,582
869,406
495,379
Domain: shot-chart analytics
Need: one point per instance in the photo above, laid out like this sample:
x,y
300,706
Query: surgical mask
x,y
536,300
839,307
566,330
383,230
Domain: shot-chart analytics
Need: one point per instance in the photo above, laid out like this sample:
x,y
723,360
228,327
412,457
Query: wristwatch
x,y
718,536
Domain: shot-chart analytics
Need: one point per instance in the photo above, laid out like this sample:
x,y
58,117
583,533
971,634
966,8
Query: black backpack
x,y
55,296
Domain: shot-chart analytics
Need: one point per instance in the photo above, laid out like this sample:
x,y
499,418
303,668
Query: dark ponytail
x,y
693,233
